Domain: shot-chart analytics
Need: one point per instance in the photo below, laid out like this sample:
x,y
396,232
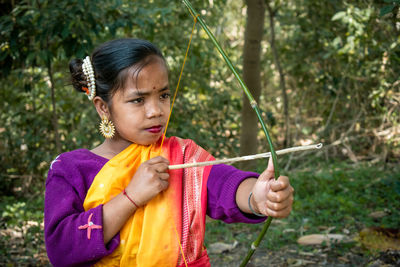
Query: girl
x,y
118,204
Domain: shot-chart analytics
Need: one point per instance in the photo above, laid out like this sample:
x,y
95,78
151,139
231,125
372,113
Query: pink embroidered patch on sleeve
x,y
89,226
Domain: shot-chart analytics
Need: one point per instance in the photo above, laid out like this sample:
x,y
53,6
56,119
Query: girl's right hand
x,y
149,180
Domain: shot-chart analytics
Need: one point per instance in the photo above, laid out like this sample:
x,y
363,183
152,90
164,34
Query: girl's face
x,y
140,110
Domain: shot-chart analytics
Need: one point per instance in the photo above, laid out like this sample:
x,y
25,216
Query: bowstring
x,y
179,80
169,117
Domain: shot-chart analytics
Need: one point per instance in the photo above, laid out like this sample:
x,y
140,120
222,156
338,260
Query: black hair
x,y
111,62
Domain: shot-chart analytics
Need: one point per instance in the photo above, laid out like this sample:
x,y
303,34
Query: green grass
x,y
337,196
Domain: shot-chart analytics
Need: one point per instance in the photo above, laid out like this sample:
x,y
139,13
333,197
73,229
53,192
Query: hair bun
x,y
78,78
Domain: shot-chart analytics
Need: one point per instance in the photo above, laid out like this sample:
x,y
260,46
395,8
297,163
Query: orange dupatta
x,y
153,234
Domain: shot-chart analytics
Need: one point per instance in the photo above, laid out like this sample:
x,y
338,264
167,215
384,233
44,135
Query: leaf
x,y
376,238
339,15
220,247
377,214
318,239
65,31
386,10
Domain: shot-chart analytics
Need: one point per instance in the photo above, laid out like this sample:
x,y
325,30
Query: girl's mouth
x,y
155,129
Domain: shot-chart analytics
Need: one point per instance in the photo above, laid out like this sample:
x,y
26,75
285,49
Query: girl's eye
x,y
137,100
165,95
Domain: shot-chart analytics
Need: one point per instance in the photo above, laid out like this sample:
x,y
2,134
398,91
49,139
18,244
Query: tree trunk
x,y
282,84
53,102
252,77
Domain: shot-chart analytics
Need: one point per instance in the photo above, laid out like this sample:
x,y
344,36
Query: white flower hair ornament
x,y
89,74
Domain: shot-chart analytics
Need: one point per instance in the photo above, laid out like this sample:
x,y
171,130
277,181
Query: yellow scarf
x,y
150,237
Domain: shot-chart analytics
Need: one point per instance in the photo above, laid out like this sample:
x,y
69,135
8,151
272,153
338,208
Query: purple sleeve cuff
x,y
222,185
67,227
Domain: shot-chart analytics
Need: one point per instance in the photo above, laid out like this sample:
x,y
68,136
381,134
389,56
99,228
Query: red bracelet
x,y
130,199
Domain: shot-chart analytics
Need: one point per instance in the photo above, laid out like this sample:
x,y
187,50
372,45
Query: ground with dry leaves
x,y
292,255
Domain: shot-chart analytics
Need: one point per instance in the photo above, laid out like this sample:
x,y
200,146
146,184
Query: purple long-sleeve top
x,y
68,182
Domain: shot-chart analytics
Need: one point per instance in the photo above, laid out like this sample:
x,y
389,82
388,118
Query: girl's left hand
x,y
272,197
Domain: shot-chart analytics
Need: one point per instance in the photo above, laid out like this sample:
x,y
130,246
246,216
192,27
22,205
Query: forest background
x,y
328,72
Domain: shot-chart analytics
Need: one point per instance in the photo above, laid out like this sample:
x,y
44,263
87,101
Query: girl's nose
x,y
153,109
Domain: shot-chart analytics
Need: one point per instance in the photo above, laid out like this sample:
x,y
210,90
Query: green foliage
x,y
41,37
347,59
22,241
17,212
352,193
337,196
341,64
391,5
37,33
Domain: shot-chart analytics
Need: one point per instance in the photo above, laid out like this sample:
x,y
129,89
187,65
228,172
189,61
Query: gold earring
x,y
107,128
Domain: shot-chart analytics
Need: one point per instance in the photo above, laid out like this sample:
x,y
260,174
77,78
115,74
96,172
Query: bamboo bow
x,y
254,105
